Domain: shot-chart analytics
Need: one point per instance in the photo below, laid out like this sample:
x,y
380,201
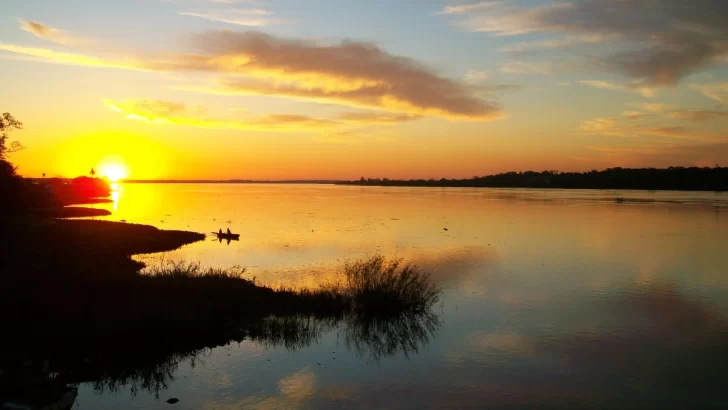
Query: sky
x,y
338,89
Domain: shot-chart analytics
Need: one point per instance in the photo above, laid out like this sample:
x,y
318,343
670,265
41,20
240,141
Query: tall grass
x,y
189,270
386,286
373,286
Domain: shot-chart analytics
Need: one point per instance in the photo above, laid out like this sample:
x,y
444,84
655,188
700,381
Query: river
x,y
553,298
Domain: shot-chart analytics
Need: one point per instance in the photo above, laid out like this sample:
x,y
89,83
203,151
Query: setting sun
x,y
113,170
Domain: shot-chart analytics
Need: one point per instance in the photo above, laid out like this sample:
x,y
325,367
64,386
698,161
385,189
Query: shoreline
x,y
76,281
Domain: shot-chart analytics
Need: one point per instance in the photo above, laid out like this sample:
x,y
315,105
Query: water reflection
x,y
555,299
642,346
375,338
153,371
115,196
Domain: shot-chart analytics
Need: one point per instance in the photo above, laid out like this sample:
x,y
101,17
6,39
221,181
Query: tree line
x,y
671,178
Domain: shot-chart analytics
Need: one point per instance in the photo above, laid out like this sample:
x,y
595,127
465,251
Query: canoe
x,y
227,235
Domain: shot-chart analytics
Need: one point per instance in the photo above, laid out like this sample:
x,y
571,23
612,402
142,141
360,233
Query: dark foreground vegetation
x,y
672,178
75,304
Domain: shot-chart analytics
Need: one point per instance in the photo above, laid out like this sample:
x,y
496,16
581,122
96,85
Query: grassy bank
x,y
70,287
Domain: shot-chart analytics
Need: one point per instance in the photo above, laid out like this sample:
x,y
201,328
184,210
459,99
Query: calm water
x,y
553,298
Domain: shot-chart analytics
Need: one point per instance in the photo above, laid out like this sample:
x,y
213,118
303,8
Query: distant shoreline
x,y
230,181
650,179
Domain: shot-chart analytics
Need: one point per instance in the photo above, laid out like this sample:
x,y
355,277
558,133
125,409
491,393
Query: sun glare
x,y
114,171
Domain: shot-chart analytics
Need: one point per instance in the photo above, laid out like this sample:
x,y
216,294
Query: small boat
x,y
224,235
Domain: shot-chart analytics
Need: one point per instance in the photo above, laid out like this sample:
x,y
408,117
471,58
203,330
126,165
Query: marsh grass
x,y
372,286
378,285
193,270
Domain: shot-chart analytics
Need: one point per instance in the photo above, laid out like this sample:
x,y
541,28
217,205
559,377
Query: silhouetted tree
x,y
11,185
7,124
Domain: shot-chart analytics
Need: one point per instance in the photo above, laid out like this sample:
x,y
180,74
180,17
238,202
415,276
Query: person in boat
x,y
219,232
228,231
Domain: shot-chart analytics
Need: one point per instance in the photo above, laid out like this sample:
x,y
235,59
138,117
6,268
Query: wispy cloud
x,y
471,7
245,17
632,88
662,155
528,67
698,115
56,57
161,112
561,43
213,2
375,117
476,76
672,111
348,73
613,127
603,126
54,35
714,91
233,1
165,112
657,43
653,107
634,115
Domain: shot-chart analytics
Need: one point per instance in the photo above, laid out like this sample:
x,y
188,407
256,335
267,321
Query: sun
x,y
113,169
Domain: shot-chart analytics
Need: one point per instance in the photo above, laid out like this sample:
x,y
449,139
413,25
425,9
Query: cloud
x,y
165,112
612,127
349,73
529,68
715,91
603,126
561,43
682,133
54,35
634,115
375,118
216,2
632,88
244,17
353,73
665,155
657,43
698,115
466,8
52,56
653,107
476,77
233,1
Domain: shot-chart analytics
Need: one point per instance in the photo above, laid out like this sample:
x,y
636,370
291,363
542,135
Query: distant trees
x,y
672,178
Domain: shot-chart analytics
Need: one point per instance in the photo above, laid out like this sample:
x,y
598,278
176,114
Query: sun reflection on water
x,y
115,195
